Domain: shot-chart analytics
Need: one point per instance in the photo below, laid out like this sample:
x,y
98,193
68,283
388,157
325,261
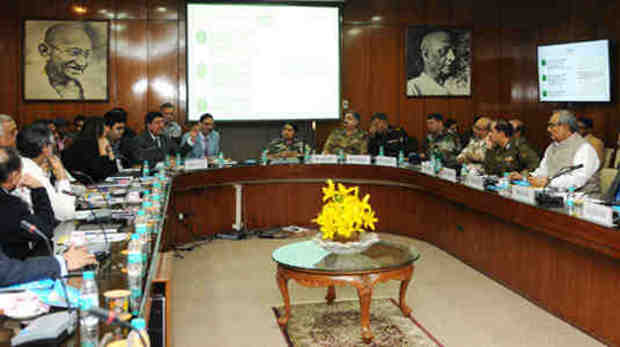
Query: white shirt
x,y
62,204
586,155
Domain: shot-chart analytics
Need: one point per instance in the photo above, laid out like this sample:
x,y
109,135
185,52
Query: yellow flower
x,y
344,213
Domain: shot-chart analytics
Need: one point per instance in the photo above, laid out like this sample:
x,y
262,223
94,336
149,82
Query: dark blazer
x,y
14,271
83,156
13,240
144,147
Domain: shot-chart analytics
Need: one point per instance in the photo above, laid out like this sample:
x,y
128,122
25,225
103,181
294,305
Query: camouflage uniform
x,y
512,157
280,145
522,141
339,140
448,144
474,153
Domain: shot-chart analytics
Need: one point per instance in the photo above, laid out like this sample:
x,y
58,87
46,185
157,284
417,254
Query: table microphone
x,y
31,228
111,317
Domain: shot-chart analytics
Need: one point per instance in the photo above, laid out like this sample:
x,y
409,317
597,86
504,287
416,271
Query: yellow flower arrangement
x,y
344,216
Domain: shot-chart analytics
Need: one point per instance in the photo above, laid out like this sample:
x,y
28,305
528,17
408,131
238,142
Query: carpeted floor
x,y
320,324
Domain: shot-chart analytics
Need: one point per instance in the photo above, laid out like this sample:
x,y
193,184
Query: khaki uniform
x,y
448,144
522,141
280,145
339,140
509,158
473,154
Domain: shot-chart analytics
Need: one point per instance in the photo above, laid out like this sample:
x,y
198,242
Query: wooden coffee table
x,y
311,266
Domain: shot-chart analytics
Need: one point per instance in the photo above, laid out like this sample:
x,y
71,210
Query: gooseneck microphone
x,y
31,228
111,317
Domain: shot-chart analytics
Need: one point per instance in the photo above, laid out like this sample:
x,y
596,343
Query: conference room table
x,y
566,265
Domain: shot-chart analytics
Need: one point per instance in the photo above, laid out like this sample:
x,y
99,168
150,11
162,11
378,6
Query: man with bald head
x,y
8,131
438,55
473,154
67,48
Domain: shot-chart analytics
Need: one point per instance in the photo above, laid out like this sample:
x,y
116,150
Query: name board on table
x,y
448,174
386,161
524,194
475,182
324,159
427,168
196,164
358,159
598,214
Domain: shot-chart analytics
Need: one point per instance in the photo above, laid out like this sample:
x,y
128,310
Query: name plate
x,y
386,161
358,159
598,214
448,174
324,159
524,194
196,164
427,168
475,182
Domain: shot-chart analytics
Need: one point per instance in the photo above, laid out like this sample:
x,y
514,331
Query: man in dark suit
x,y
14,271
15,242
152,145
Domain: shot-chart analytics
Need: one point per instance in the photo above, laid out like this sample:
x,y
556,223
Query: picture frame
x,y
438,61
65,60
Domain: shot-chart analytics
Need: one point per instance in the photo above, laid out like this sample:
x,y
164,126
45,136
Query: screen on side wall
x,y
263,62
574,72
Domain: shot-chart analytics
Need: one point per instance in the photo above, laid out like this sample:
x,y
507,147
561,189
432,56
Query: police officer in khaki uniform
x,y
440,140
505,155
349,139
393,140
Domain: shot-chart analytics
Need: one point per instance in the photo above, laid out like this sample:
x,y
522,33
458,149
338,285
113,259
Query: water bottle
x,y
570,200
401,159
157,189
145,169
341,157
147,206
464,172
381,153
220,160
504,184
179,161
306,156
167,161
263,158
89,324
133,339
134,273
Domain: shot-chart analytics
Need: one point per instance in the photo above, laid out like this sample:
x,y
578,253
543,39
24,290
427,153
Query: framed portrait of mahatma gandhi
x,y
438,61
65,60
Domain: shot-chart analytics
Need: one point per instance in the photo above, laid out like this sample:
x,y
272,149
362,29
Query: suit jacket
x,y
13,240
83,155
145,147
14,271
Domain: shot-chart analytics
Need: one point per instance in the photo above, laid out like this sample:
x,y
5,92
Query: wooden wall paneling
x,y
462,14
181,114
41,9
163,9
102,9
385,69
132,75
133,9
357,68
9,44
162,64
357,11
486,59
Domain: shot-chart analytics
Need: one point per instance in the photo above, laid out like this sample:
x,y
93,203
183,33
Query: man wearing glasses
x,y
568,149
67,48
474,152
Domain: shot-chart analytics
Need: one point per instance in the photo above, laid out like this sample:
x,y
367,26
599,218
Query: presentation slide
x,y
263,62
574,72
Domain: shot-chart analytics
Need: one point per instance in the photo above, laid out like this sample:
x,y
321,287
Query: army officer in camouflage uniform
x,y
349,139
504,154
287,145
440,140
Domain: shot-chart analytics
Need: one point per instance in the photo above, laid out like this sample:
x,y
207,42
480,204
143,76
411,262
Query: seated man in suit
x,y
568,149
14,271
152,145
15,242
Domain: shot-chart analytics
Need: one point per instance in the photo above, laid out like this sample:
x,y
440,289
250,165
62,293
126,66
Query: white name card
x,y
427,168
324,159
386,161
598,214
196,164
358,159
524,194
475,182
448,174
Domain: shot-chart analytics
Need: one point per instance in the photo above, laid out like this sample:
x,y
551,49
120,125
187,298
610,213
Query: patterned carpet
x,y
319,324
